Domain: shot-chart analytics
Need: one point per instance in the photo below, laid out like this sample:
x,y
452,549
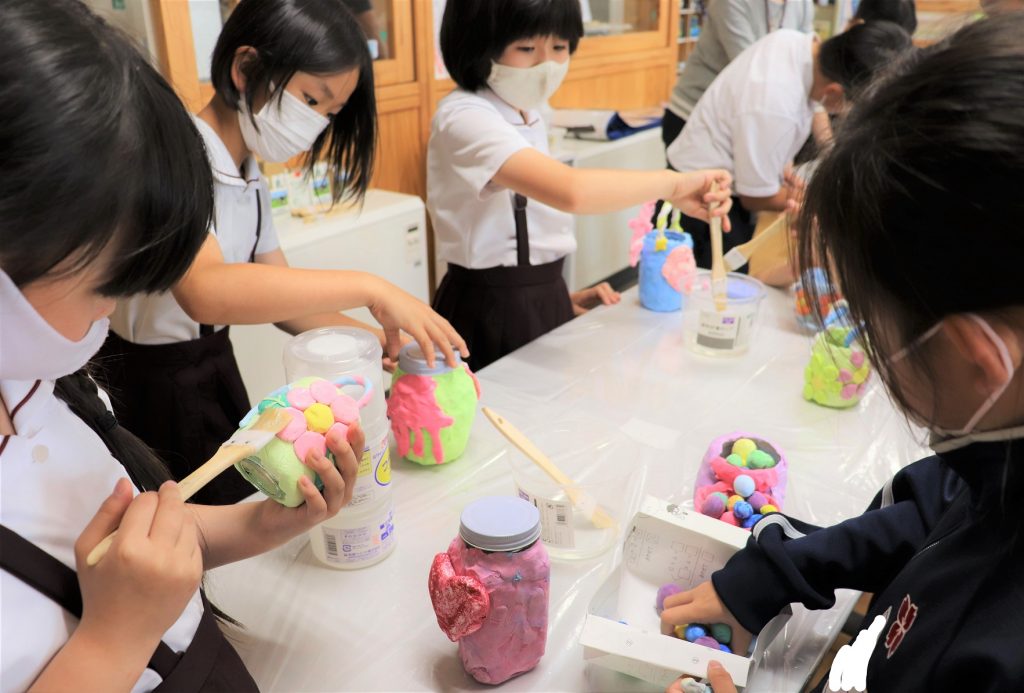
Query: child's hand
x,y
693,194
702,605
717,676
584,300
396,310
339,478
139,589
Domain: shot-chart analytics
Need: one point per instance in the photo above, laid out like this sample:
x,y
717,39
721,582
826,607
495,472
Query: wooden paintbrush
x,y
741,254
719,282
243,444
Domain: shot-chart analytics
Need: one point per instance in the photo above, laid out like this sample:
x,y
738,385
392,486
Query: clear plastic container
x,y
358,536
597,459
711,332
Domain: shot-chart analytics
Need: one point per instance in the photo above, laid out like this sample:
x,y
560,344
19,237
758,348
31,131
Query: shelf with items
x,y
691,14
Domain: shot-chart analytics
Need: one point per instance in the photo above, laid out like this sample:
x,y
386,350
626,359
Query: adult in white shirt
x,y
728,27
500,205
755,117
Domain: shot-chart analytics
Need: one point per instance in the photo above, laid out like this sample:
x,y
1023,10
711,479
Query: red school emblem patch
x,y
904,620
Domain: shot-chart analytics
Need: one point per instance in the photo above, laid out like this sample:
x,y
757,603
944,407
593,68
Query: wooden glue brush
x,y
719,282
741,254
243,444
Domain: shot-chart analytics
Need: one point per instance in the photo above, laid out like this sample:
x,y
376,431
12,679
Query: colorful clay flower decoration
x,y
640,225
821,378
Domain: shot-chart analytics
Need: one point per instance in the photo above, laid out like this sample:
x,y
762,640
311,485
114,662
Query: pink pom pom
x,y
345,410
680,269
295,428
300,398
310,441
323,391
729,519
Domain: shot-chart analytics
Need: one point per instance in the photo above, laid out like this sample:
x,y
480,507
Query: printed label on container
x,y
723,331
555,520
374,473
359,544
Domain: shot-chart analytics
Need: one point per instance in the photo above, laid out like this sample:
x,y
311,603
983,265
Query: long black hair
x,y
476,32
97,152
902,12
854,57
919,207
319,37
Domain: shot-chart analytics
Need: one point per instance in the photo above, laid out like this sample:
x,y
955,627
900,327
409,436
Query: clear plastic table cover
x,y
311,628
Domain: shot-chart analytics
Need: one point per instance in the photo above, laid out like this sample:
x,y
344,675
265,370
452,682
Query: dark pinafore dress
x,y
499,309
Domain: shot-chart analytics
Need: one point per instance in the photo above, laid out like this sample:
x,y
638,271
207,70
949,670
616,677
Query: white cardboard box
x,y
664,543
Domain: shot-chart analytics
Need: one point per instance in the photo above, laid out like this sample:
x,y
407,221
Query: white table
x,y
311,628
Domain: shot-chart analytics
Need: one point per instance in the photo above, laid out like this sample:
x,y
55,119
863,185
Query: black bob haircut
x,y
854,57
476,32
918,205
901,12
97,152
319,37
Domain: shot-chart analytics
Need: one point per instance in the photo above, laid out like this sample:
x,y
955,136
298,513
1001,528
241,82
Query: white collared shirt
x,y
754,117
157,318
472,136
54,475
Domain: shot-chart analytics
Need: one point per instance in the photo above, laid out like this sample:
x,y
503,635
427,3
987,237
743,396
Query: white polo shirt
x,y
157,318
54,475
754,117
472,136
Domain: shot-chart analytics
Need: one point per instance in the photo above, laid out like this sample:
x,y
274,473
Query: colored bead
x,y
323,391
742,510
706,642
295,428
664,592
694,632
733,500
768,508
345,409
713,506
735,460
721,632
744,485
319,417
759,459
756,500
743,447
751,521
300,398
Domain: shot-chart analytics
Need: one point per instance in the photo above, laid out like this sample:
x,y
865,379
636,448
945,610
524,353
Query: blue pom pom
x,y
724,648
742,510
694,632
744,485
751,521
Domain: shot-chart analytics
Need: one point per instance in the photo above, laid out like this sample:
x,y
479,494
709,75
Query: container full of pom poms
x,y
837,373
742,478
665,255
808,316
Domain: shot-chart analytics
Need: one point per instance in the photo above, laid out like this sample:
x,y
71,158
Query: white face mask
x,y
283,131
31,349
526,88
986,406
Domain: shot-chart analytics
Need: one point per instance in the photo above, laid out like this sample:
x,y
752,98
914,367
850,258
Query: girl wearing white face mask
x,y
941,547
291,77
500,205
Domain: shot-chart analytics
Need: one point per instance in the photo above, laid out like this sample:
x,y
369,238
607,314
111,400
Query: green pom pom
x,y
721,632
759,459
735,460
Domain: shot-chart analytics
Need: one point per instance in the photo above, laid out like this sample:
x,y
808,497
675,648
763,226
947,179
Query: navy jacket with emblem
x,y
942,549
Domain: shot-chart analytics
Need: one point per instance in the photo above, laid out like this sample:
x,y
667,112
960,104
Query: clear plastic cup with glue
x,y
729,332
585,519
362,533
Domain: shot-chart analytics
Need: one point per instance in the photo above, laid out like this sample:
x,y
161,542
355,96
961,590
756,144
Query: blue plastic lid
x,y
412,361
500,523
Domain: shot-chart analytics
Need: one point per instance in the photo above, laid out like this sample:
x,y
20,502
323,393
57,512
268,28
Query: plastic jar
x,y
709,331
357,537
490,589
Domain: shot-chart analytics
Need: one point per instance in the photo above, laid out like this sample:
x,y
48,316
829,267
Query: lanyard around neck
x,y
768,15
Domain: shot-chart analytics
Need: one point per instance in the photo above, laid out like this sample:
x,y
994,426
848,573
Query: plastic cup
x,y
598,460
711,332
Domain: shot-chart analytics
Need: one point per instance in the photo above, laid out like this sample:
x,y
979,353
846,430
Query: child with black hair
x,y
758,112
901,12
291,77
500,205
106,192
918,209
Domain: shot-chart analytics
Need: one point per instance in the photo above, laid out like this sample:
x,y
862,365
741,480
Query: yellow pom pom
x,y
768,508
680,631
733,500
660,244
319,417
743,447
